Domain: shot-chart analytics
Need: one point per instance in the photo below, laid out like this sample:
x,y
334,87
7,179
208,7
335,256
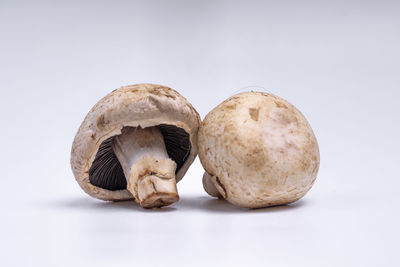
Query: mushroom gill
x,y
106,171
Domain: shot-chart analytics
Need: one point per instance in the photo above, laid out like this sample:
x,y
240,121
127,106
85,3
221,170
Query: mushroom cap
x,y
261,150
143,105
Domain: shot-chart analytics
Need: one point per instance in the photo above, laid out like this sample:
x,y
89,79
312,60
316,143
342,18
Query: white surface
x,y
337,61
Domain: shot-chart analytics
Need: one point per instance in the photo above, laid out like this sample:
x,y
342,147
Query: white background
x,y
337,61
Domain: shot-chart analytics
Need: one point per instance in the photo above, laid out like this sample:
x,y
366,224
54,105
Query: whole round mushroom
x,y
257,150
136,143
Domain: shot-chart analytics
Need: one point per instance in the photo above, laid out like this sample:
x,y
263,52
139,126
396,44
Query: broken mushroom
x,y
257,150
136,143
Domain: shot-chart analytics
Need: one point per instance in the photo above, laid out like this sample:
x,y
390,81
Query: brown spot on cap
x,y
282,119
100,122
231,106
254,112
280,104
162,91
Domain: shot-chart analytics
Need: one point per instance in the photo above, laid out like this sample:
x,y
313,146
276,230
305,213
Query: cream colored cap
x,y
143,105
258,150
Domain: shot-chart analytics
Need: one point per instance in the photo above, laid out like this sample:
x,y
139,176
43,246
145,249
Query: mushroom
x,y
258,150
136,143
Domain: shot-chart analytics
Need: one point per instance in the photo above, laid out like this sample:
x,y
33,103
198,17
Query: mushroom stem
x,y
149,171
209,186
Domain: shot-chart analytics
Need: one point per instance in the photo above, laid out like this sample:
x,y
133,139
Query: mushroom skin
x,y
140,105
258,150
